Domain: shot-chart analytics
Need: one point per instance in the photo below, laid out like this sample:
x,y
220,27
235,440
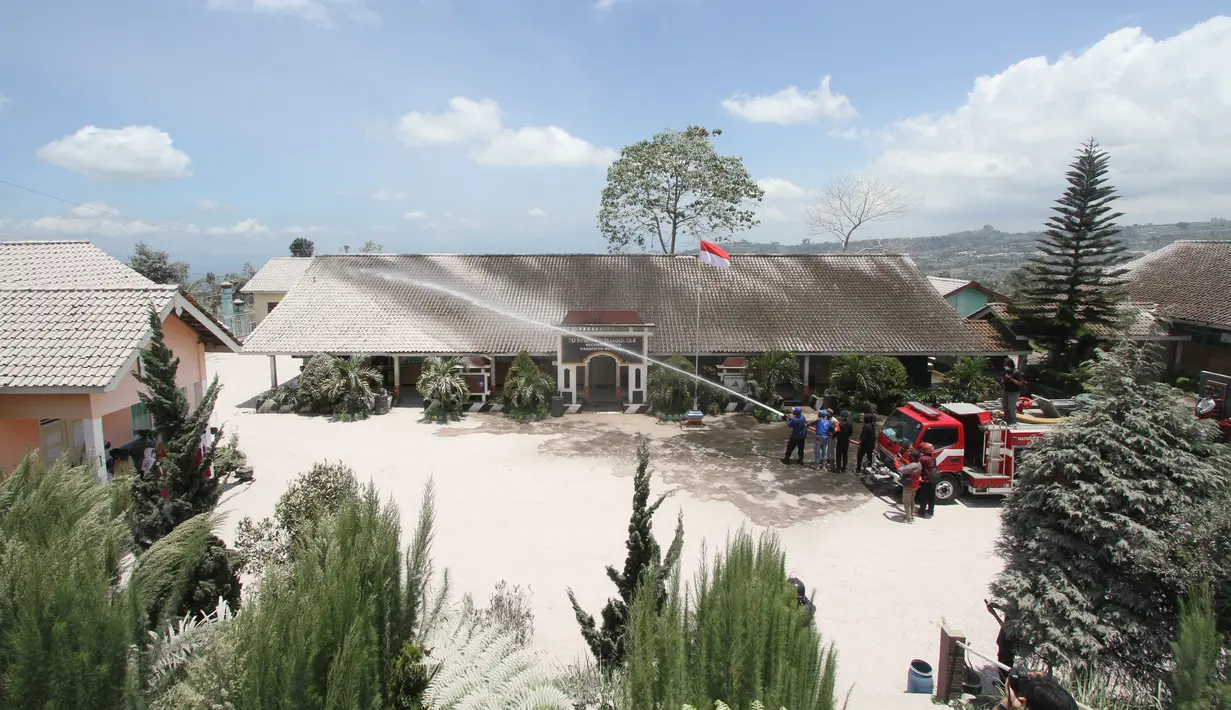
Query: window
x,y
269,307
567,372
637,378
141,418
942,436
901,429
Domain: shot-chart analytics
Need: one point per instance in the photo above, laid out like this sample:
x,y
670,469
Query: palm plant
x,y
669,391
74,627
526,386
442,381
771,370
856,379
969,380
352,387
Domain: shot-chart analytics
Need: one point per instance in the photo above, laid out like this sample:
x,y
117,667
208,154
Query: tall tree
x,y
607,642
1074,281
1089,539
846,204
672,185
157,265
371,247
302,246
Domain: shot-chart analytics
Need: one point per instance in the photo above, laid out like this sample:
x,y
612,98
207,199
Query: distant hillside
x,y
987,255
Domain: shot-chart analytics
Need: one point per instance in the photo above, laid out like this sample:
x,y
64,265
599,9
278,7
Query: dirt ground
x,y
545,505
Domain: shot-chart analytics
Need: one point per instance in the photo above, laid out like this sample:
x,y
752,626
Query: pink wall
x,y
17,436
19,413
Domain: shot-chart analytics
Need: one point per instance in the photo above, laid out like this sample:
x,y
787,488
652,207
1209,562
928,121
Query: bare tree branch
x,y
846,204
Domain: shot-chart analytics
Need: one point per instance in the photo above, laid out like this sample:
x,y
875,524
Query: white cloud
x,y
781,189
775,214
477,124
383,195
450,223
317,229
604,4
537,212
91,219
293,229
318,12
4,101
134,153
415,214
1159,107
791,105
207,205
247,227
382,228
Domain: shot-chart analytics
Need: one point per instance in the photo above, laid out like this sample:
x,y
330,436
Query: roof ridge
x,y
45,241
84,287
741,255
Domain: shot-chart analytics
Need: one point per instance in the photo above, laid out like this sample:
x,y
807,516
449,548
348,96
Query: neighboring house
x,y
271,284
399,309
73,321
965,296
1190,281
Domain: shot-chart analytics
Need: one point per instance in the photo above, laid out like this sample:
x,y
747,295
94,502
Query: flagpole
x,y
696,335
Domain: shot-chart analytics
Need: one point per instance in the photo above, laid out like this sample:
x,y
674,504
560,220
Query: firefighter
x,y
799,434
927,484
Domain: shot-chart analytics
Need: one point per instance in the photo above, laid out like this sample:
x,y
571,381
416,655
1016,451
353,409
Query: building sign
x,y
576,350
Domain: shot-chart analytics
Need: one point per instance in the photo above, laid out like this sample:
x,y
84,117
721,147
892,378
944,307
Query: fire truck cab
x,y
975,453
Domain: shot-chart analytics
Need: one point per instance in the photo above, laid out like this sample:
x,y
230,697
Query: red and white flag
x,y
714,255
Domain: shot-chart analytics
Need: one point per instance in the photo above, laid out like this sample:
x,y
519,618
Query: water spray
x,y
500,311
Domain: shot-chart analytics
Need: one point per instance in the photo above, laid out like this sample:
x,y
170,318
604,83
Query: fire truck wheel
x,y
947,489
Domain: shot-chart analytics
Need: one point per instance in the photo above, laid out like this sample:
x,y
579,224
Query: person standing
x,y
909,476
1006,646
927,480
1011,383
799,435
823,426
842,441
867,442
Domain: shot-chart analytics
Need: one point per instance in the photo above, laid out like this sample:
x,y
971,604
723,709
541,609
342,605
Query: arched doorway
x,y
602,380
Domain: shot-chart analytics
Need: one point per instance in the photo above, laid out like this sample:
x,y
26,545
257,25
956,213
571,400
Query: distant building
x,y
964,295
73,321
271,284
400,309
1190,281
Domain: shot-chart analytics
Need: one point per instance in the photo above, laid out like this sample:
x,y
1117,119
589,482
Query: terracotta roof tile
x,y
278,275
806,303
1189,280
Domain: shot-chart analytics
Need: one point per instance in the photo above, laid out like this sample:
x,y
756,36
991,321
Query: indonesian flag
x,y
714,255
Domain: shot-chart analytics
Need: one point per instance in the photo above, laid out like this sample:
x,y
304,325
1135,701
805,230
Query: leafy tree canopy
x,y
371,247
302,246
157,265
672,185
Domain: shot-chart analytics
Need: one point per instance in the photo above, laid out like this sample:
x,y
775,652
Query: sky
x,y
229,127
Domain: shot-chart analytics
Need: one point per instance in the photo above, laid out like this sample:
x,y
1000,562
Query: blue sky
x,y
245,122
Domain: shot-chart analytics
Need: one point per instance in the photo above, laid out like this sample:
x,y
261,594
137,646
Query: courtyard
x,y
545,505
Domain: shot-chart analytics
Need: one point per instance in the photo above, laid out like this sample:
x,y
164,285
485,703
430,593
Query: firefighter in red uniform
x,y
927,485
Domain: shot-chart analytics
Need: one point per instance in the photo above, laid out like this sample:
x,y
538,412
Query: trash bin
x,y
557,406
919,677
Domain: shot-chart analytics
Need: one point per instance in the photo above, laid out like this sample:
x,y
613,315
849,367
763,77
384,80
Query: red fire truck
x,y
975,453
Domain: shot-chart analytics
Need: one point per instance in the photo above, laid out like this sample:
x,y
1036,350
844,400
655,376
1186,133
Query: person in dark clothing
x,y
867,442
799,435
843,439
1011,383
1035,691
927,485
1006,646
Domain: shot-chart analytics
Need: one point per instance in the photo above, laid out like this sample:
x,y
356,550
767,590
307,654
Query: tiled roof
x,y
63,264
278,275
829,304
1189,280
946,286
72,337
1140,321
993,340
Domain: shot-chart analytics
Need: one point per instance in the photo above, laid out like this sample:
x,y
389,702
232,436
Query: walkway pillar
x,y
807,389
273,372
95,447
397,379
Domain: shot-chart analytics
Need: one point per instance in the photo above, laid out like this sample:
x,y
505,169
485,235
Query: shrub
x,y
315,383
771,370
352,389
527,388
670,391
739,634
969,380
855,378
715,410
228,458
442,380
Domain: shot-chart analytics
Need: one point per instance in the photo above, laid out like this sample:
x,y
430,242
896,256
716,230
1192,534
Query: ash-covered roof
x,y
278,275
427,304
1139,321
1189,280
945,286
50,264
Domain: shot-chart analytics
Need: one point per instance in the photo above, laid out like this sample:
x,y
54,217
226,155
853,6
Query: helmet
x,y
798,410
926,448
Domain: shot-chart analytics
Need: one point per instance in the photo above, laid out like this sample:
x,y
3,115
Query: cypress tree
x,y
180,429
1089,539
644,555
1072,281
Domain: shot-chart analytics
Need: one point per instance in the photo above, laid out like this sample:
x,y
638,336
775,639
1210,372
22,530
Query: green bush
x,y
352,391
970,380
312,395
527,389
772,369
738,634
854,379
670,391
442,380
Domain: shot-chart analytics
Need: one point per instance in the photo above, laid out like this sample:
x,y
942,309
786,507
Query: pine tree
x,y
1088,535
180,430
607,642
1199,681
1073,281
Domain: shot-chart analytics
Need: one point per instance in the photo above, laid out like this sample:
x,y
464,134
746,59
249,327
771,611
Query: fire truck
x,y
975,453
